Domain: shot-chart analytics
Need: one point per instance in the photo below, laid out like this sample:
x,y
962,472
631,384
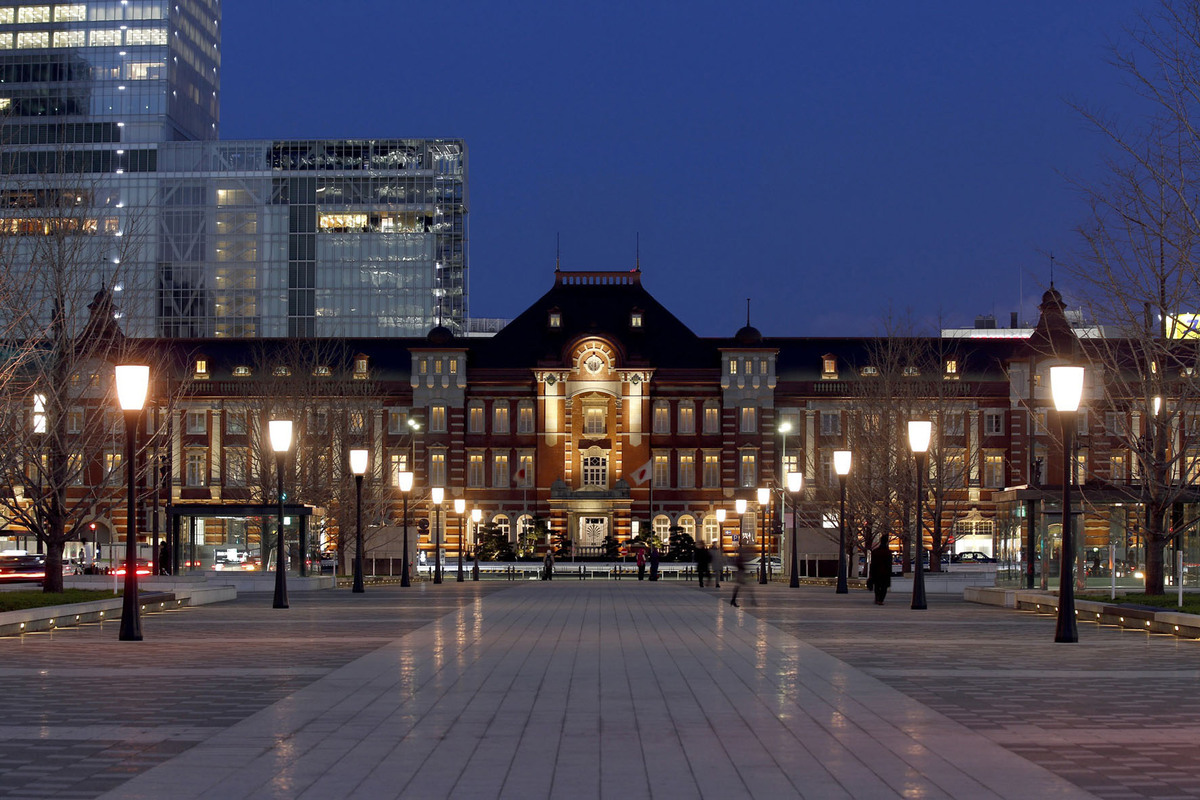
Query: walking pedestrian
x,y
703,561
641,562
548,566
744,554
879,573
717,558
654,563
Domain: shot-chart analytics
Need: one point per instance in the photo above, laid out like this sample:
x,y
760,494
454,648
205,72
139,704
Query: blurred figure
x,y
703,562
717,558
744,553
641,562
654,558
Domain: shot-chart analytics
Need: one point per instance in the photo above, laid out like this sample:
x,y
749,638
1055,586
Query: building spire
x,y
747,312
637,252
1052,270
557,250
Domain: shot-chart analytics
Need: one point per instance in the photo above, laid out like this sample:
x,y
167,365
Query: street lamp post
x,y
720,545
460,508
358,465
280,432
795,482
437,494
919,433
133,383
476,516
406,485
764,498
784,428
841,465
1066,384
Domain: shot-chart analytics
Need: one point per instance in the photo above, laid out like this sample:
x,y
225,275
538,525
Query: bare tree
x,y
1138,270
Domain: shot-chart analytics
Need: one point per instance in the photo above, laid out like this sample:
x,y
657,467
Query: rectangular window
x,y
525,419
524,471
104,38
1082,422
993,422
32,40
74,420
501,477
195,467
397,463
397,421
235,422
437,469
1117,472
197,422
1080,468
437,420
475,419
687,418
112,465
733,366
475,470
500,418
70,38
749,419
1114,423
712,419
953,424
993,471
662,418
28,15
662,471
712,471
594,420
831,423
595,471
749,471
953,472
75,469
74,12
687,471
357,422
320,421
791,463
828,474
235,467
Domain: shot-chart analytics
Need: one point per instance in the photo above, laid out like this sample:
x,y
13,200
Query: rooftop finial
x,y
747,312
557,249
1052,270
637,252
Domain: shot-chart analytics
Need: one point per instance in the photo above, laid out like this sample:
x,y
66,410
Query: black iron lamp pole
x,y
460,508
133,382
359,460
919,433
437,494
476,516
764,499
795,482
280,431
1066,384
841,465
406,484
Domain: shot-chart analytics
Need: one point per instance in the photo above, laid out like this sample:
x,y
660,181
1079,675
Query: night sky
x,y
833,161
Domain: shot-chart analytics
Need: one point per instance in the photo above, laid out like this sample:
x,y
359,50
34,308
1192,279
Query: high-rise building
x,y
112,115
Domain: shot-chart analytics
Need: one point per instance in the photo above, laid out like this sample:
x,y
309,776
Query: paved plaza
x,y
597,689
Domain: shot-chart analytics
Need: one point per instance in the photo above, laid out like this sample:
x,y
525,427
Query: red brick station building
x,y
600,413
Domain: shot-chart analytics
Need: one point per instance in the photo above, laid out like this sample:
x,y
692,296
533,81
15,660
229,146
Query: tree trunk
x,y
1156,541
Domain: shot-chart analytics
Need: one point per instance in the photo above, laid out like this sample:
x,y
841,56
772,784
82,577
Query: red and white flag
x,y
520,475
642,473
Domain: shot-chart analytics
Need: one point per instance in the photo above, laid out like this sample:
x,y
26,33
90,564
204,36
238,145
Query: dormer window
x,y
322,372
555,319
200,372
635,319
733,366
869,372
241,372
829,367
360,368
911,372
951,368
281,371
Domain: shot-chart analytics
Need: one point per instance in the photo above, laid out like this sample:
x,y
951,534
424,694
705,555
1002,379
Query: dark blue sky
x,y
829,160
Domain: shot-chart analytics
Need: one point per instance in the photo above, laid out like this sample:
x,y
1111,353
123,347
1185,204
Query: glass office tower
x,y
109,112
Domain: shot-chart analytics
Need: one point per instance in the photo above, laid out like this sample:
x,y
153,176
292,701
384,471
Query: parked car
x,y
972,557
773,564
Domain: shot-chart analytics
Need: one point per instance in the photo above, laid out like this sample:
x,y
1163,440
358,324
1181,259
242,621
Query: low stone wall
x,y
1140,618
28,620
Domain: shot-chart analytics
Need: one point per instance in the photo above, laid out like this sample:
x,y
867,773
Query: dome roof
x,y
441,335
748,335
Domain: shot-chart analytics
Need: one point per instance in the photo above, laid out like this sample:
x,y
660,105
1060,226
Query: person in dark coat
x,y
164,558
879,574
703,561
548,566
654,563
641,562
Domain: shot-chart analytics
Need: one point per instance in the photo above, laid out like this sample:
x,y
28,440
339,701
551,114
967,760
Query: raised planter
x,y
1141,618
47,618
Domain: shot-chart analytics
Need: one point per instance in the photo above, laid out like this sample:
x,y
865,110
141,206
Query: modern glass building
x,y
112,120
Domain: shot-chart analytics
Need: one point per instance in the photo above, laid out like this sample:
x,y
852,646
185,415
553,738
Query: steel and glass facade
x,y
115,105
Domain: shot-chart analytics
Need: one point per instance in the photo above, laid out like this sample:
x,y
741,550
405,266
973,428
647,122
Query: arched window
x,y
501,523
524,524
662,527
688,524
711,530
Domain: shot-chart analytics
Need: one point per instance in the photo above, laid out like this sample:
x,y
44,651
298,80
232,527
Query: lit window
x,y
595,471
196,467
475,419
437,419
712,471
241,372
662,471
733,366
662,417
687,418
28,15
993,471
829,367
342,223
33,40
69,39
594,420
7,16
712,419
197,421
235,466
762,367
749,419
524,475
322,372
357,422
525,419
75,12
500,475
454,366
423,366
499,417
104,38
951,368
6,43
281,371
397,463
635,319
555,319
437,469
686,479
437,367
475,470
749,472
